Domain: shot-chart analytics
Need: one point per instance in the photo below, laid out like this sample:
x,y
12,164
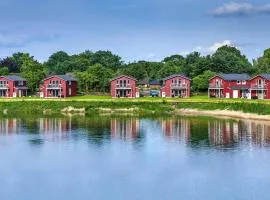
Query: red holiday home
x,y
124,86
12,86
229,86
58,86
260,86
176,85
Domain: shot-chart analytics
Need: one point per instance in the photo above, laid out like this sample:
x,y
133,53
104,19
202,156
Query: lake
x,y
134,158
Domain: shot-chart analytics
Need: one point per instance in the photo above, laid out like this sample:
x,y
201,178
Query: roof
x,y
64,77
234,77
239,87
154,82
130,77
266,76
14,78
174,75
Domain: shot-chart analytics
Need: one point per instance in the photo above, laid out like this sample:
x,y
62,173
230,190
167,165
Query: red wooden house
x,y
229,86
12,86
58,86
260,86
124,86
176,85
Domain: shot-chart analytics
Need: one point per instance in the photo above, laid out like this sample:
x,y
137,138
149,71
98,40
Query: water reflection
x,y
176,129
194,132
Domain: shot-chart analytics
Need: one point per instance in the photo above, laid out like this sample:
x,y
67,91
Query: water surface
x,y
131,158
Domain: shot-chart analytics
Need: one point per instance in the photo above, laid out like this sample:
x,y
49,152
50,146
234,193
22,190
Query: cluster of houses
x,y
178,85
220,86
53,86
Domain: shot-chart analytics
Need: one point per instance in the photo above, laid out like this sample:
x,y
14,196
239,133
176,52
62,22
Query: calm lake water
x,y
130,158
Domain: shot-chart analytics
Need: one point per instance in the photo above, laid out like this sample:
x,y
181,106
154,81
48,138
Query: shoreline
x,y
223,114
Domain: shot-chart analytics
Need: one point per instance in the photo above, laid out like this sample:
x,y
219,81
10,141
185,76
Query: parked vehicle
x,y
154,93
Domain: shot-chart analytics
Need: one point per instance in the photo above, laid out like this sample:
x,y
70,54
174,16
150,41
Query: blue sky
x,y
136,30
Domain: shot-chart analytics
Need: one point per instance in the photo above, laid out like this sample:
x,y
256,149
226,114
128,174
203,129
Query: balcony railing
x,y
219,86
259,86
54,86
4,86
178,86
123,86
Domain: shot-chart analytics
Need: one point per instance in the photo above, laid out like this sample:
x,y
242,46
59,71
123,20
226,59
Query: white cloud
x,y
237,8
214,47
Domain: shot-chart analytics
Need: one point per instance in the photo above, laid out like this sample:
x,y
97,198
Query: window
x,y
238,82
244,82
69,91
69,82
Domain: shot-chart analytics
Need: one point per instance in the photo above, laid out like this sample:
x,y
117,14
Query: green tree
x,y
95,78
200,82
168,69
58,63
229,59
3,71
106,59
262,64
33,72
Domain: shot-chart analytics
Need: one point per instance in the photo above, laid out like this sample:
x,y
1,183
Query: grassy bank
x,y
145,106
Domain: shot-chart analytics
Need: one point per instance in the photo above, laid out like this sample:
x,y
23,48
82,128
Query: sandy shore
x,y
224,113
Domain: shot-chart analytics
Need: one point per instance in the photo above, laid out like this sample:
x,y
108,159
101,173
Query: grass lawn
x,y
95,98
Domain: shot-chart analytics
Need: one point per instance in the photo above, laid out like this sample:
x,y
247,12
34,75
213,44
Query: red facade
x,y
124,86
12,86
58,86
176,86
260,87
221,88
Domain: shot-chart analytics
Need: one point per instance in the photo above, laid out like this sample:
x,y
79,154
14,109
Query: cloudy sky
x,y
134,29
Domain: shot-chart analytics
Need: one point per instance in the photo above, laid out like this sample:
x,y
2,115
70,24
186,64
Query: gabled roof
x,y
175,75
14,78
266,76
130,77
234,77
63,77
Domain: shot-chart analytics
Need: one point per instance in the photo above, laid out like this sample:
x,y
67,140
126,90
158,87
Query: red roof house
x,y
177,85
12,86
58,86
124,86
260,86
229,86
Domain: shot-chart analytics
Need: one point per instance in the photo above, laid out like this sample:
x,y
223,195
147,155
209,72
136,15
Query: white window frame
x,y
244,82
238,82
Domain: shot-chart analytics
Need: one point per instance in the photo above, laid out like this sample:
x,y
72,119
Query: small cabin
x,y
13,86
177,85
124,86
58,86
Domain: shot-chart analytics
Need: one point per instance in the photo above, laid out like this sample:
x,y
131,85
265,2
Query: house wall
x,y
167,85
11,87
64,87
254,81
128,80
228,84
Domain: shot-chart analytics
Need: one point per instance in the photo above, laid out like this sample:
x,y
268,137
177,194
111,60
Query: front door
x,y
235,94
260,94
20,93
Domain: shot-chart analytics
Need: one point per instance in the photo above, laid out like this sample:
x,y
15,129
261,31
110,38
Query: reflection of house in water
x,y
238,132
10,126
176,128
125,128
52,125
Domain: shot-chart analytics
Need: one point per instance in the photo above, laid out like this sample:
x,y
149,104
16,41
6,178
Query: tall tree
x,y
33,72
200,82
229,59
263,63
58,63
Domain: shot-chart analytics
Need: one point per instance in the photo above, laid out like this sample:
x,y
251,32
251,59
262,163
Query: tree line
x,y
94,70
